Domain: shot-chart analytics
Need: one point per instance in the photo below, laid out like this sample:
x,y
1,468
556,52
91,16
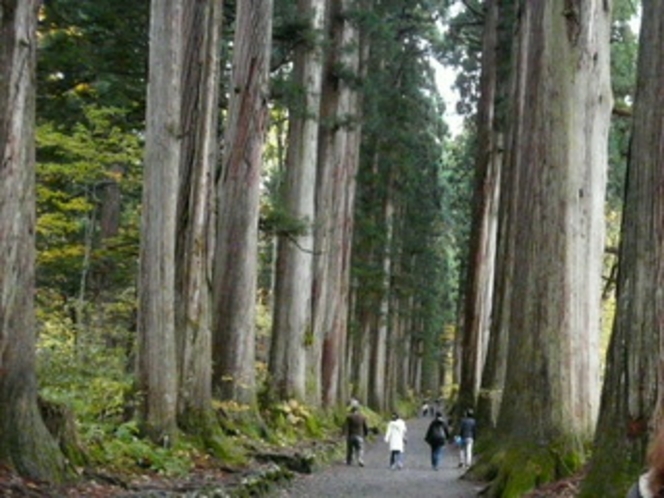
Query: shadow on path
x,y
417,478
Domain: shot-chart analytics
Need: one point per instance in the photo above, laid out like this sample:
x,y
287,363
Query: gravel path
x,y
417,478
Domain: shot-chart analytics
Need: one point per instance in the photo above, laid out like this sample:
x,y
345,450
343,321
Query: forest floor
x,y
13,486
333,480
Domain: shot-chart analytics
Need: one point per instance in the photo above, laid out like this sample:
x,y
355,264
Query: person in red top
x,y
355,430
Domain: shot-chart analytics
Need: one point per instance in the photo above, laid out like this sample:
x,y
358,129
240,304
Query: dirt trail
x,y
417,478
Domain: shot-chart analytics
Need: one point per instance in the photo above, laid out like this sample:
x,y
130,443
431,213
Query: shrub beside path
x,y
417,478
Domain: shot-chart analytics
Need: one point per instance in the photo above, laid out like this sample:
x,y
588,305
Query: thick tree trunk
x,y
292,310
193,313
236,252
157,368
631,405
25,443
563,103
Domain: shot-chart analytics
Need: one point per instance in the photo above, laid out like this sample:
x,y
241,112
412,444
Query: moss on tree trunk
x,y
60,422
26,445
515,469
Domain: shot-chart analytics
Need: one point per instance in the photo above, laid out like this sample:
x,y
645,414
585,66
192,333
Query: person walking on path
x,y
467,435
437,435
335,479
396,438
356,430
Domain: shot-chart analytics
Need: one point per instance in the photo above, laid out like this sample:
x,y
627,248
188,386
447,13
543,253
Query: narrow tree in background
x,y
631,405
157,369
235,261
294,270
25,443
563,103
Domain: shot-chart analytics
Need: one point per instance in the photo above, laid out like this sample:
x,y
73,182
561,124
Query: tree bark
x,y
236,252
503,13
294,270
631,406
480,274
25,443
157,367
193,313
563,104
335,197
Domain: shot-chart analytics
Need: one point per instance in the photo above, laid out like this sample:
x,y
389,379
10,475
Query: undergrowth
x,y
90,371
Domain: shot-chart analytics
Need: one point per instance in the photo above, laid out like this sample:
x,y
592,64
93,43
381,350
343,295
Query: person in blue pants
x,y
436,436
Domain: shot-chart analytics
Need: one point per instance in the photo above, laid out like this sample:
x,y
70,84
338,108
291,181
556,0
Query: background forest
x,y
248,213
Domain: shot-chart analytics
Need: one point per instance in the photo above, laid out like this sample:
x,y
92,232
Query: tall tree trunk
x,y
294,269
236,251
25,443
338,156
631,405
193,314
157,367
378,341
563,103
503,14
480,274
387,332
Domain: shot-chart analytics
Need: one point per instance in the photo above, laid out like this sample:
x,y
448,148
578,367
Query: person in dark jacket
x,y
355,430
467,435
651,483
437,435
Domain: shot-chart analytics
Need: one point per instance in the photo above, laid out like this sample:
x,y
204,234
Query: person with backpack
x,y
437,435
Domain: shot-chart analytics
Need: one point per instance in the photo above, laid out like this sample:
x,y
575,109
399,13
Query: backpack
x,y
437,434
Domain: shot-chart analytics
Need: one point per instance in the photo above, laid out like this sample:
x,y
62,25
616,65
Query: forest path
x,y
417,478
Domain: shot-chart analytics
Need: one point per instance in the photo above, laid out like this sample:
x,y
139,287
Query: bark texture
x,y
157,369
235,263
201,78
25,443
479,281
502,15
631,405
563,103
292,328
335,199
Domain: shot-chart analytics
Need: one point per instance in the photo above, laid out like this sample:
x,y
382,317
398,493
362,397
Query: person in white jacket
x,y
396,438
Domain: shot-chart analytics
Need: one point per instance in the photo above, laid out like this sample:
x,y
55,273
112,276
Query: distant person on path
x,y
425,409
437,435
355,430
651,484
467,435
396,438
